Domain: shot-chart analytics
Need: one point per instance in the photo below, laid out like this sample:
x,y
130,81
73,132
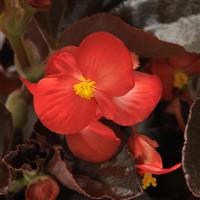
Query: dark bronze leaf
x,y
143,43
191,150
114,179
30,156
44,136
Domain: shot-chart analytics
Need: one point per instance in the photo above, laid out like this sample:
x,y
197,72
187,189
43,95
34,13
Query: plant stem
x,y
19,50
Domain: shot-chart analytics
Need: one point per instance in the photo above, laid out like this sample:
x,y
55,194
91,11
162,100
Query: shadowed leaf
x,y
7,84
143,43
30,156
191,150
6,130
5,178
51,21
114,179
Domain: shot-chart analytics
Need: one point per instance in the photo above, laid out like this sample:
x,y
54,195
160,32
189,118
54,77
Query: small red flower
x,y
148,159
44,188
175,72
40,4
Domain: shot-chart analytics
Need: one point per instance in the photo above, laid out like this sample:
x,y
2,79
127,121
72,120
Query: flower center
x,y
148,180
85,88
180,79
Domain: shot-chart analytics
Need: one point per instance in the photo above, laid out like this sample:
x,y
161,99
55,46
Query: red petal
x,y
63,60
166,75
30,86
59,108
151,142
138,103
156,170
143,152
95,143
103,58
105,104
183,61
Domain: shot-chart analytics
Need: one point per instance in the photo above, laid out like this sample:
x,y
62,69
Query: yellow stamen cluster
x,y
148,180
180,79
85,88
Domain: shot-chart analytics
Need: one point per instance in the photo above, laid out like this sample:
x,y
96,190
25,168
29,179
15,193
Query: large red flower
x,y
96,77
148,159
175,72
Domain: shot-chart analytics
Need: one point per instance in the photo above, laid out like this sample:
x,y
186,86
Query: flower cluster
x,y
93,80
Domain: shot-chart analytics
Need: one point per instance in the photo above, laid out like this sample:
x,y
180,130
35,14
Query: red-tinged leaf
x,y
5,178
114,179
191,150
143,43
6,130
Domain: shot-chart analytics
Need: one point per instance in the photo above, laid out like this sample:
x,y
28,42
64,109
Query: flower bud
x,y
44,188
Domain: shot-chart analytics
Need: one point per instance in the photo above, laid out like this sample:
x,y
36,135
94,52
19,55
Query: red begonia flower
x,y
175,72
95,143
148,159
96,77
